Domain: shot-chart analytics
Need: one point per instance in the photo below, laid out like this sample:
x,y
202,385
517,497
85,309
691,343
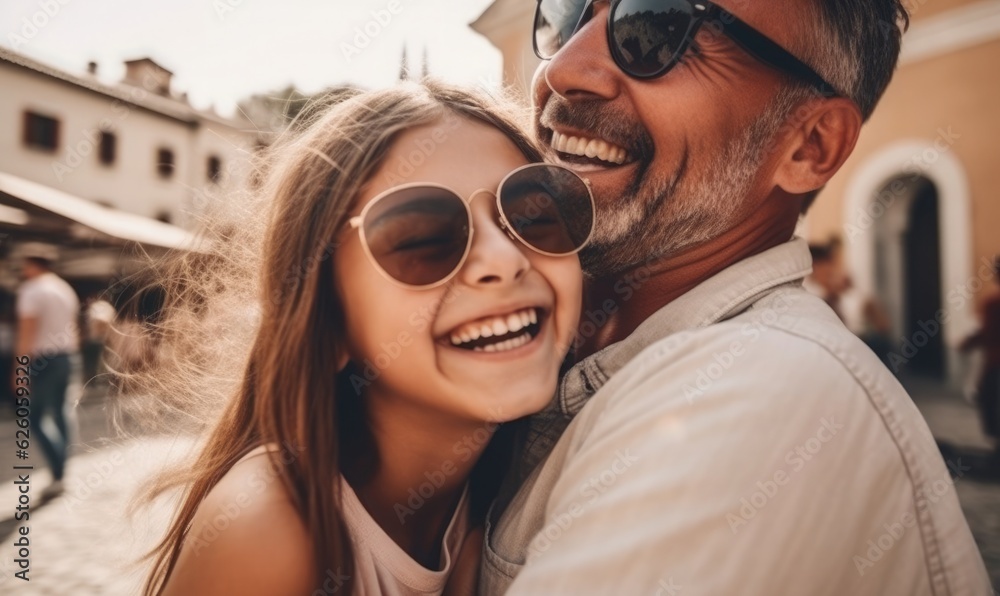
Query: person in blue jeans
x,y
47,332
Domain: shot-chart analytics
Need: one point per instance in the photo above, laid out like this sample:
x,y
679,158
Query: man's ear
x,y
822,141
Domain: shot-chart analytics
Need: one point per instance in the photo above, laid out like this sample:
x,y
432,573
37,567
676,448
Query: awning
x,y
36,208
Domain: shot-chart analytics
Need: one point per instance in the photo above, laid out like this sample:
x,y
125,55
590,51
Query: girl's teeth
x,y
505,345
499,327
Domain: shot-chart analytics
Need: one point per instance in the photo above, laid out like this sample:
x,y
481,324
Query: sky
x,y
221,51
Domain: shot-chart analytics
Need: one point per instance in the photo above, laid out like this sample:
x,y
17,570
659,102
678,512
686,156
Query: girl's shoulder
x,y
246,537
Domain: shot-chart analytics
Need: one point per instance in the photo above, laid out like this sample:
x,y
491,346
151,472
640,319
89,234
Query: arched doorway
x,y
907,231
908,274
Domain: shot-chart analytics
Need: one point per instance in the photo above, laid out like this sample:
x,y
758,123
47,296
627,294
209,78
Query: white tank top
x,y
380,565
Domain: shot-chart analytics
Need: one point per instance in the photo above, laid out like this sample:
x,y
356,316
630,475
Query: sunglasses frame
x,y
755,43
357,222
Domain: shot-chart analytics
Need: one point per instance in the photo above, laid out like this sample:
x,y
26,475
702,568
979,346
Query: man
x,y
721,431
47,310
988,339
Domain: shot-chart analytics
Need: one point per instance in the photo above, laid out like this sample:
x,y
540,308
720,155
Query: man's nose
x,y
583,68
494,258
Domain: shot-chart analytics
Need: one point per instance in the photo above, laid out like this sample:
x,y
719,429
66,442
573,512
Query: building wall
x,y
131,183
950,100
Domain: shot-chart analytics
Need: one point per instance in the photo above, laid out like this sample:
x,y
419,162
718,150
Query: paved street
x,y
955,424
83,542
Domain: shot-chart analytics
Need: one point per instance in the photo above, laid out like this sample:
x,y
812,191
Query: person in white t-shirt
x,y
47,332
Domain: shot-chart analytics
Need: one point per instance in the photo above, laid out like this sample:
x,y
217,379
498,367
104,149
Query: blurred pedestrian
x,y
98,315
861,313
7,324
824,280
47,310
988,339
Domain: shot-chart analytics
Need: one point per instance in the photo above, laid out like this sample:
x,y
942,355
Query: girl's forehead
x,y
460,153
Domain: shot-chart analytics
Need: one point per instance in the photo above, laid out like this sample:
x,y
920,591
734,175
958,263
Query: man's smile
x,y
588,147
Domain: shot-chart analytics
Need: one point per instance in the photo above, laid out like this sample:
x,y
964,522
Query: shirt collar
x,y
718,298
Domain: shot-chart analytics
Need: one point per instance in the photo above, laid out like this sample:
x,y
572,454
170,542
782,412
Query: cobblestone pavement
x,y
83,542
955,424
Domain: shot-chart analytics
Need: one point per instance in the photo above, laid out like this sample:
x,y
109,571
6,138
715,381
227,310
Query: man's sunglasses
x,y
418,235
648,37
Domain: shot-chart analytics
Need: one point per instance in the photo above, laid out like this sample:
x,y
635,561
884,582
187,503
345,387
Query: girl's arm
x,y
246,538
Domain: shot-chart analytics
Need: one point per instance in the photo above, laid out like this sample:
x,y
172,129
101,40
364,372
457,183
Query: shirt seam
x,y
927,529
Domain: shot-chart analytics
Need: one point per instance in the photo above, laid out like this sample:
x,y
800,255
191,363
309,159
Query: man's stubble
x,y
662,216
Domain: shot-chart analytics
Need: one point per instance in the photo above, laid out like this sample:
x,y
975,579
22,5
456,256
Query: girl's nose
x,y
495,258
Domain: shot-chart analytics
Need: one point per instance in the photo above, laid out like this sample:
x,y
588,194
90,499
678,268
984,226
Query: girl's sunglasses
x,y
419,235
648,37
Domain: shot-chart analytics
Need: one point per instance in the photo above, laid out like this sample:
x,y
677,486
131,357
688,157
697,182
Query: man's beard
x,y
659,217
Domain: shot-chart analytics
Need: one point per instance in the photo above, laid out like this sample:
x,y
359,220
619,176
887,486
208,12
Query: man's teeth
x,y
583,146
497,326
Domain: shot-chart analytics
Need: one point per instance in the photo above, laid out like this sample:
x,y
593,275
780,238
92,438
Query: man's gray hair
x,y
857,46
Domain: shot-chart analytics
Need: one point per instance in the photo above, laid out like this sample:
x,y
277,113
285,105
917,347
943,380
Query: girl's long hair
x,y
259,299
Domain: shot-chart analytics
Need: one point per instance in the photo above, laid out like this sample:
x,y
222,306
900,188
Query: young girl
x,y
418,286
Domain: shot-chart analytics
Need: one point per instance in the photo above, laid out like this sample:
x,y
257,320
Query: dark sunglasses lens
x,y
549,208
648,34
555,21
418,235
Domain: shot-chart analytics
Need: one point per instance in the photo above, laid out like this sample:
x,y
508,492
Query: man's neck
x,y
628,298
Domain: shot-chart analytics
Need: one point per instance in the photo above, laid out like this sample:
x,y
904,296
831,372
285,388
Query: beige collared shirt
x,y
740,441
